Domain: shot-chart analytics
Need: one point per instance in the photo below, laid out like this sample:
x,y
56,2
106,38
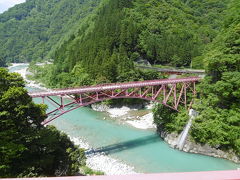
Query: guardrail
x,y
206,175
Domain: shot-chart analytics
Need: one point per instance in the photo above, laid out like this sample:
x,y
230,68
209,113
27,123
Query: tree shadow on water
x,y
122,146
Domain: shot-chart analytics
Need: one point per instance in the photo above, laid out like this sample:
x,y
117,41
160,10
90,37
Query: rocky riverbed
x,y
138,116
102,162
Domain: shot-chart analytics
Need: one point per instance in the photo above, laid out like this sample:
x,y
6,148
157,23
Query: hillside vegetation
x,y
218,123
32,30
122,31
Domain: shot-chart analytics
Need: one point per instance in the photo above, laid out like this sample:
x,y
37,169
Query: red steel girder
x,y
155,90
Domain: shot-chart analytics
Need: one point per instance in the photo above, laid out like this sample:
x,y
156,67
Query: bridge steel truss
x,y
169,92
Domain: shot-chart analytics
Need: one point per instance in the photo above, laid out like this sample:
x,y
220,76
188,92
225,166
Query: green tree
x,y
2,62
26,147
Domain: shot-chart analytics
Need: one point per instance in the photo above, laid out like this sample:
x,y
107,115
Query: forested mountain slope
x,y
122,31
162,31
30,31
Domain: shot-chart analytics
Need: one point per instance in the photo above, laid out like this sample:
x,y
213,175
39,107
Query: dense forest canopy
x,y
164,32
172,32
31,30
120,32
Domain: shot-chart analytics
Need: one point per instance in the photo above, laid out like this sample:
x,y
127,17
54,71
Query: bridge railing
x,y
207,175
128,83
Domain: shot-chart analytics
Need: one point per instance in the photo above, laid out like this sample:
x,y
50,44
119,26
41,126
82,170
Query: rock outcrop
x,y
193,147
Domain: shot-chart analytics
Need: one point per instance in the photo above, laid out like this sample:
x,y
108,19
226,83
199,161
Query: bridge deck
x,y
113,86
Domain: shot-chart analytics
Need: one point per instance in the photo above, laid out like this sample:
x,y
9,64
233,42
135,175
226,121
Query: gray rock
x,y
192,147
100,107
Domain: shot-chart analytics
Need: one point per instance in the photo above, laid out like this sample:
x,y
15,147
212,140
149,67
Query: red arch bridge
x,y
169,92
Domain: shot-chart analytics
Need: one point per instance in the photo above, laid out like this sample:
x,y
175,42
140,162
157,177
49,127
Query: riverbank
x,y
101,162
193,147
145,121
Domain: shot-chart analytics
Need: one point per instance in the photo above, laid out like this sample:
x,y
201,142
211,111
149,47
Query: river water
x,y
141,149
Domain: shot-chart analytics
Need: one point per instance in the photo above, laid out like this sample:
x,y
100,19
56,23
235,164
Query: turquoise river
x,y
142,149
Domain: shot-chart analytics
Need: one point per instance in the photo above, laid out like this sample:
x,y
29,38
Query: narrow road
x,y
174,70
